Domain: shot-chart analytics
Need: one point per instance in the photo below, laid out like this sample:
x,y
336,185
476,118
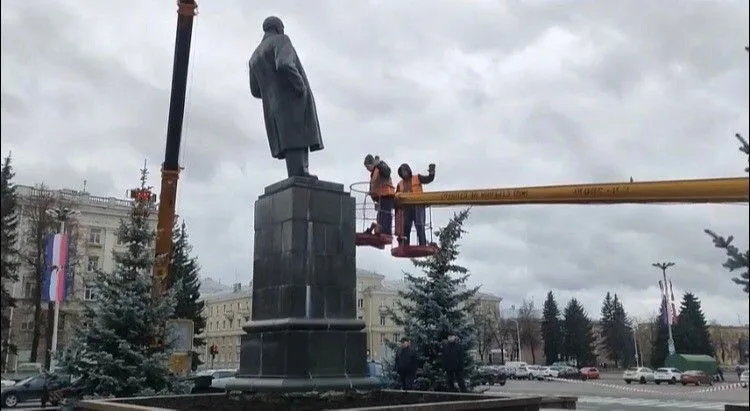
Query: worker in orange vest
x,y
382,193
412,215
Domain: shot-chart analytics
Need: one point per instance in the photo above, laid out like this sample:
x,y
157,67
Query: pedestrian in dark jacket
x,y
453,362
406,364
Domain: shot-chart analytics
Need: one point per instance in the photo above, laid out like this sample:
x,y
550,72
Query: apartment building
x,y
226,313
93,241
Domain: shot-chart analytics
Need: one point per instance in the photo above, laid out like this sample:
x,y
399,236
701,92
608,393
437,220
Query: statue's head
x,y
273,24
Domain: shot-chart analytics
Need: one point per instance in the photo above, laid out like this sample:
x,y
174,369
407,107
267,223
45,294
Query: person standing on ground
x,y
406,364
453,362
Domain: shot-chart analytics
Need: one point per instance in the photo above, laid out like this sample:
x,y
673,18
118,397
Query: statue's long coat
x,y
277,77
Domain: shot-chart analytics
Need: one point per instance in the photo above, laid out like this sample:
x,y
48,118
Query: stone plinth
x,y
303,334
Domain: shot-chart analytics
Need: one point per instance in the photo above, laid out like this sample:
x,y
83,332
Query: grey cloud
x,y
496,93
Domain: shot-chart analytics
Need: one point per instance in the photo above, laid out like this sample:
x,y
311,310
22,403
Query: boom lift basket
x,y
366,215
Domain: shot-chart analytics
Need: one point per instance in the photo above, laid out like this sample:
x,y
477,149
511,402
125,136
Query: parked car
x,y
696,377
488,375
536,372
522,372
743,378
30,389
220,380
640,374
7,383
668,375
517,369
570,373
551,372
24,371
589,373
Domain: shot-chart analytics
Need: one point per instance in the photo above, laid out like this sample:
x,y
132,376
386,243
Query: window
x,y
224,324
89,293
95,235
360,303
382,319
395,337
92,263
27,325
359,317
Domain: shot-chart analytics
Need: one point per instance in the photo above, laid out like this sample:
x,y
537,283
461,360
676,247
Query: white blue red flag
x,y
56,266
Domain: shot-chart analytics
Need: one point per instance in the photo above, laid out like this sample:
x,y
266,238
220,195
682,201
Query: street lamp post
x,y
635,342
663,267
518,333
62,215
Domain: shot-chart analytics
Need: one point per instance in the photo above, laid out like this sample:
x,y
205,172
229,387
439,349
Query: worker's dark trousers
x,y
297,161
385,214
456,376
415,216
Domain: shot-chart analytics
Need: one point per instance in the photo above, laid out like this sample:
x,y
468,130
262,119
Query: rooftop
x,y
74,196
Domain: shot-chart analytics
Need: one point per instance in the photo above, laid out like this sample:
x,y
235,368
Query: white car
x,y
219,378
668,375
551,372
640,374
743,378
536,372
522,372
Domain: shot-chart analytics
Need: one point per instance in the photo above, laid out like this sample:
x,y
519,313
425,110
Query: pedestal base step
x,y
319,384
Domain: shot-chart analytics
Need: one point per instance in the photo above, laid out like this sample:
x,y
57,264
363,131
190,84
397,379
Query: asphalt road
x,y
614,395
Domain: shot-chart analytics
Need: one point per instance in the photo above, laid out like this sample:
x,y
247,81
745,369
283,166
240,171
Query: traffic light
x,y
214,350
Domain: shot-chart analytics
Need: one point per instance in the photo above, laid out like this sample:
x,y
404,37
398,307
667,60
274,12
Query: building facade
x,y
226,313
93,244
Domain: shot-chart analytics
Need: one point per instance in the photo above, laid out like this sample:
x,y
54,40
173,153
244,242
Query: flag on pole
x,y
55,267
671,295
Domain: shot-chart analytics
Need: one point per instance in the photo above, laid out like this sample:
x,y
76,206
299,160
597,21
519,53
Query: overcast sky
x,y
496,93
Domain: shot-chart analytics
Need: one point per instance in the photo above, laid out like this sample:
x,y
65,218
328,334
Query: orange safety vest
x,y
415,187
380,187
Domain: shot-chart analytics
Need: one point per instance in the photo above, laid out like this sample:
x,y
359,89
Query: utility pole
x,y
663,267
61,214
518,332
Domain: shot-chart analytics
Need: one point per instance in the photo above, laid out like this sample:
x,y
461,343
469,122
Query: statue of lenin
x,y
278,79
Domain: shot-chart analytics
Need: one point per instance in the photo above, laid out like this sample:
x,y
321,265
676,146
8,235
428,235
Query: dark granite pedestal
x,y
303,334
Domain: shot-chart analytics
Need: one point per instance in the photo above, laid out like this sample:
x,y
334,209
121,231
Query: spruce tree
x,y
660,339
691,335
551,330
616,330
9,259
736,259
113,351
185,282
437,305
578,335
622,332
